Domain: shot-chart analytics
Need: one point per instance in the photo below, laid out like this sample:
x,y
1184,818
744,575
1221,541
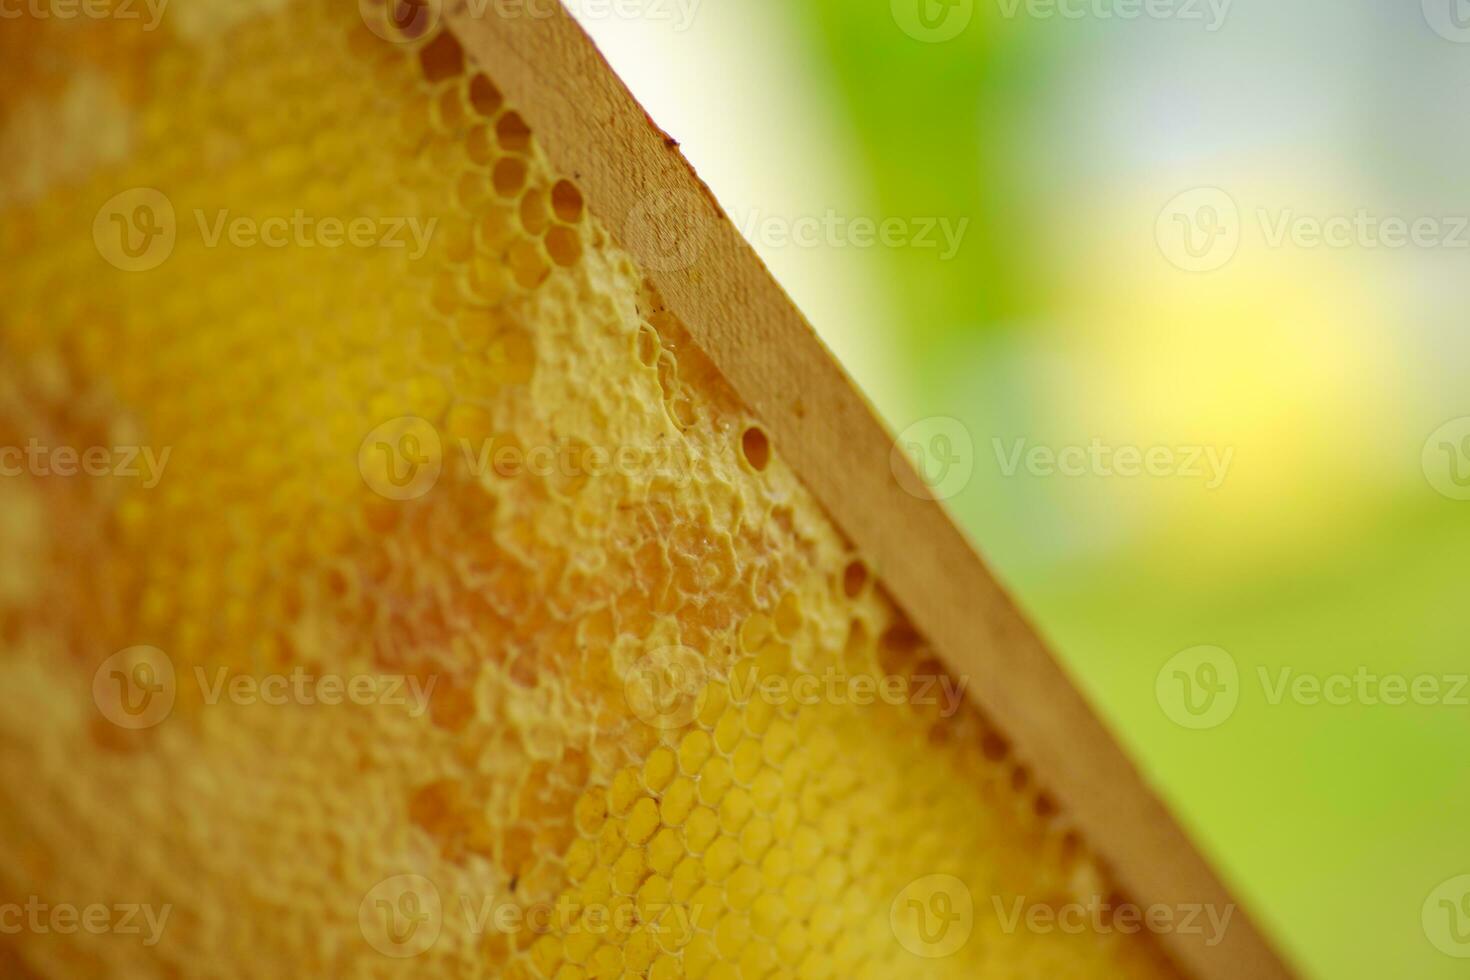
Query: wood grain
x,y
642,189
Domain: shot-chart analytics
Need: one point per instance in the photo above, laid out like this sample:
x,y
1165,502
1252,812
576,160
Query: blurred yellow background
x,y
1219,246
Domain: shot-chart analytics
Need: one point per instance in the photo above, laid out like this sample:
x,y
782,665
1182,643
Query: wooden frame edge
x,y
596,132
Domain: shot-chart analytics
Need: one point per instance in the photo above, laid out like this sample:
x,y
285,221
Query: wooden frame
x,y
593,130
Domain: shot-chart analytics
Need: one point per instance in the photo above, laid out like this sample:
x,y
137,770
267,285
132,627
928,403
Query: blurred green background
x,y
1088,300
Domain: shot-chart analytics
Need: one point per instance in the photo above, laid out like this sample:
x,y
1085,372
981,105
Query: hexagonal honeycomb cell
x,y
375,398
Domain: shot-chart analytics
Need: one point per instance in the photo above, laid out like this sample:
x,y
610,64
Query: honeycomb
x,y
373,405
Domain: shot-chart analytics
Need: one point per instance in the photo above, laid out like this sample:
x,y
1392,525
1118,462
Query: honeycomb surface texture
x,y
491,470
